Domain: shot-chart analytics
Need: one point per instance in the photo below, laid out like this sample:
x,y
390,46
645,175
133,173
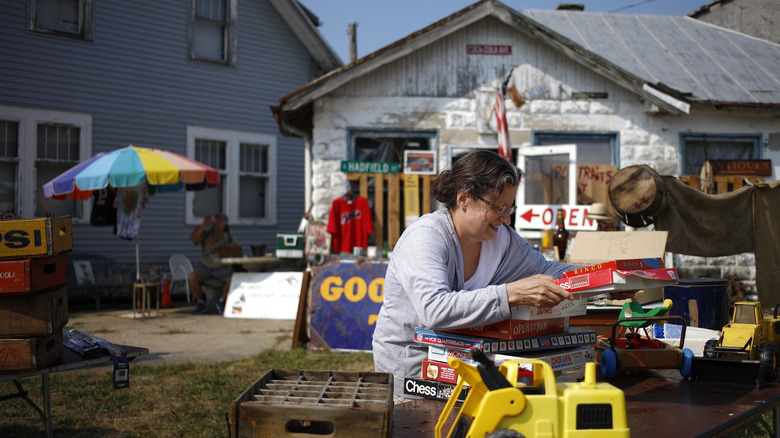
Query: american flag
x,y
504,148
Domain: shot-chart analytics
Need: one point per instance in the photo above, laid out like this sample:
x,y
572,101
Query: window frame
x,y
756,139
229,57
230,179
353,134
86,14
29,119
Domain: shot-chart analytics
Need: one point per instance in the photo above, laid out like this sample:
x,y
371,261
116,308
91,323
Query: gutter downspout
x,y
306,158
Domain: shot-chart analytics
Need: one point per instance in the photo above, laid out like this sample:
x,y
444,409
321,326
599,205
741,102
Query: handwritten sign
x,y
264,295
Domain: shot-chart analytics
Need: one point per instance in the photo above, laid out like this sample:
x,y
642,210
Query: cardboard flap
x,y
590,247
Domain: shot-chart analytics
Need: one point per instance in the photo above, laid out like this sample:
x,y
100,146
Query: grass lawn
x,y
162,401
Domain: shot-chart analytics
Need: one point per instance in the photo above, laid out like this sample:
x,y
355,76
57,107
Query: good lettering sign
x,y
344,300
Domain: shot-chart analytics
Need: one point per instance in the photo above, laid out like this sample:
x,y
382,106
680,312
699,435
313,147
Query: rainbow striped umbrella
x,y
131,166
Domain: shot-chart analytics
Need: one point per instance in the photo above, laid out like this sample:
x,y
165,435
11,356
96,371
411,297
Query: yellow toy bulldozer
x,y
499,406
746,354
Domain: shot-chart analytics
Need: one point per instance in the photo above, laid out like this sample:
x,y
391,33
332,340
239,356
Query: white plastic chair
x,y
181,268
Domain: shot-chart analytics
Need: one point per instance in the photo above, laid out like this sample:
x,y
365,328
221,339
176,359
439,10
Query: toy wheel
x,y
505,433
608,364
687,365
709,348
769,358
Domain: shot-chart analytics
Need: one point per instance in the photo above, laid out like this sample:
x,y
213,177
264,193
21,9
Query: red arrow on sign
x,y
528,215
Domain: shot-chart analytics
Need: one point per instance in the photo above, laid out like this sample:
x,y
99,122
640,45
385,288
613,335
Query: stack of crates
x,y
33,291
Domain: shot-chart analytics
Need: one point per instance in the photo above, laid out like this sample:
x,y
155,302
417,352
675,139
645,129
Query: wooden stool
x,y
144,290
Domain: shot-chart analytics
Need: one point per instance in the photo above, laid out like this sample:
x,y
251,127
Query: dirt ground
x,y
177,336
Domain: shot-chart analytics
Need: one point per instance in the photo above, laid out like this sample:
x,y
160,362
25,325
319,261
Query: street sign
x,y
369,167
543,217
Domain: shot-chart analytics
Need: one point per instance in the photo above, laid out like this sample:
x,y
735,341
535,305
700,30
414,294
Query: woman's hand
x,y
538,291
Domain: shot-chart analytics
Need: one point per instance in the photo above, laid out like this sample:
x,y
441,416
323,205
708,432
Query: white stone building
x,y
626,89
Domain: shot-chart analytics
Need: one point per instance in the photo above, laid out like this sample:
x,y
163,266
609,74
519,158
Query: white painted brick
x,y
575,107
601,108
544,107
634,137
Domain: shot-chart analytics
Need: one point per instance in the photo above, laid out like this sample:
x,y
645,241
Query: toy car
x,y
634,352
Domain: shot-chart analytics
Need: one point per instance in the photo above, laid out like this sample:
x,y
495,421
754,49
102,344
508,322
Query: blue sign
x,y
344,301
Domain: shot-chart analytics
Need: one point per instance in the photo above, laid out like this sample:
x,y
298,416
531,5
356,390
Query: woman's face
x,y
483,219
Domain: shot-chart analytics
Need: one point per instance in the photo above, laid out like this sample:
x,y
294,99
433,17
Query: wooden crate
x,y
293,403
29,354
33,275
34,315
25,238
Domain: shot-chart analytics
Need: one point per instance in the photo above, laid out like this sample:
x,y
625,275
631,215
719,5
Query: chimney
x,y
570,7
352,32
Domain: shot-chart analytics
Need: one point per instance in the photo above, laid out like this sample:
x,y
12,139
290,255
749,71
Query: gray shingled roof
x,y
700,60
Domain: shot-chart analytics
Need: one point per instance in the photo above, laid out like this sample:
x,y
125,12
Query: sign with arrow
x,y
542,217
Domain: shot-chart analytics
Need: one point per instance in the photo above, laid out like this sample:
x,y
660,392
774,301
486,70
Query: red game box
x,y
516,328
613,280
623,265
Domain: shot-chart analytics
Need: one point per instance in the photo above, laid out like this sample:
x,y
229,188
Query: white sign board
x,y
264,295
544,217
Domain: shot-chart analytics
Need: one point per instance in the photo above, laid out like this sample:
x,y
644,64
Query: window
x,y
698,148
212,31
41,144
388,146
248,188
70,18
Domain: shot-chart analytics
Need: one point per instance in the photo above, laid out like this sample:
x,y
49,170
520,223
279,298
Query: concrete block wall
x,y
742,265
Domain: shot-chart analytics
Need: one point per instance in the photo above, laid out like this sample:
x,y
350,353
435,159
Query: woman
x,y
461,266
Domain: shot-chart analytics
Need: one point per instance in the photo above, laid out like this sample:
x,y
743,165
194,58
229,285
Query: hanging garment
x,y
130,203
350,223
103,209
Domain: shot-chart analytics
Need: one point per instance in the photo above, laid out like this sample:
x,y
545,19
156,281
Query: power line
x,y
632,6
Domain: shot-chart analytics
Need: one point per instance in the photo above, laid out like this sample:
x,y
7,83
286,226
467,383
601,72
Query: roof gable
x,y
671,61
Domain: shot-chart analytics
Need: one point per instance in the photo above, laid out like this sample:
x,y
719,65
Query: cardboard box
x,y
32,275
577,307
432,389
623,265
29,354
24,238
592,247
516,328
613,280
558,359
443,341
34,315
289,246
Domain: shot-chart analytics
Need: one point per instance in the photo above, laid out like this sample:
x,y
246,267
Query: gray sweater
x,y
424,287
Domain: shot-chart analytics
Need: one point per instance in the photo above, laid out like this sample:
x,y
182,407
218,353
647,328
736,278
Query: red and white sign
x,y
488,49
612,280
535,216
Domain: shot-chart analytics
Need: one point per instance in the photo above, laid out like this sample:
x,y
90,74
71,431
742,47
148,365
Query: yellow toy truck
x,y
499,406
746,352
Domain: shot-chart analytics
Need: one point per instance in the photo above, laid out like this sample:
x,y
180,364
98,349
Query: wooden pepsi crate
x,y
24,238
25,276
29,354
36,314
294,403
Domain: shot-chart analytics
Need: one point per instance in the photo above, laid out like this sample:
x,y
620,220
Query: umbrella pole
x,y
137,260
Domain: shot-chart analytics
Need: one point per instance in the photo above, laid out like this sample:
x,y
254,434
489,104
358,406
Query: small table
x,y
144,290
68,361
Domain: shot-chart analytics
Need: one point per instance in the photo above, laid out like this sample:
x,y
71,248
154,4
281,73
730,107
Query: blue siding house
x,y
196,77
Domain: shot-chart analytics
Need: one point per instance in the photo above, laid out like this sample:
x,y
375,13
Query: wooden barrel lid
x,y
637,194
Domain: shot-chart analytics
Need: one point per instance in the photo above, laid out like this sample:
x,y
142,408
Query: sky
x,y
381,22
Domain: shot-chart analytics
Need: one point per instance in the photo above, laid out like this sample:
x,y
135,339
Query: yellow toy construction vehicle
x,y
498,405
746,352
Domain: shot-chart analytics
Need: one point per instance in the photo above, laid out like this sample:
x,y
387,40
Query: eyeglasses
x,y
504,209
